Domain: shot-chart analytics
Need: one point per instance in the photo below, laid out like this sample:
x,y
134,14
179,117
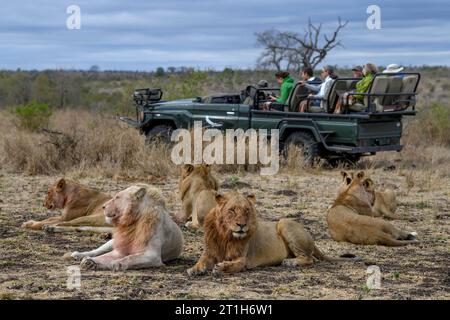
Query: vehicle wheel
x,y
159,133
310,149
346,161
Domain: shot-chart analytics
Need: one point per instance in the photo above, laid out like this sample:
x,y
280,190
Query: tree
x,y
290,50
160,72
94,68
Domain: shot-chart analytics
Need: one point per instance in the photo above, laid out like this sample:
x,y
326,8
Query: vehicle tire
x,y
160,133
306,142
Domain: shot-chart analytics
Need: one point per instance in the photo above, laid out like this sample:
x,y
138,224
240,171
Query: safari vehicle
x,y
362,129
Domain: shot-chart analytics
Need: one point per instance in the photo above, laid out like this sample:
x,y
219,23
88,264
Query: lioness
x,y
235,240
350,218
197,190
384,203
144,234
82,206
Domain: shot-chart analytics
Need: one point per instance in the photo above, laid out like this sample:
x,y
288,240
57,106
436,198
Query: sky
x,y
145,34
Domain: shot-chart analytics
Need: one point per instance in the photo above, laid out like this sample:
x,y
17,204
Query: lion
x,y
235,240
82,208
144,234
351,218
384,203
197,189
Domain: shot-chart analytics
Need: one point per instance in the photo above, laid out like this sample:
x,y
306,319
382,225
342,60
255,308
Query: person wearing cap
x,y
393,68
263,84
357,71
328,76
362,86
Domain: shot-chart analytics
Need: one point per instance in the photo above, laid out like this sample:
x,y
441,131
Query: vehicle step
x,y
326,132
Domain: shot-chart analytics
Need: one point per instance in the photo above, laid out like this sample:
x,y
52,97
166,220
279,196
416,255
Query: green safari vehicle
x,y
361,129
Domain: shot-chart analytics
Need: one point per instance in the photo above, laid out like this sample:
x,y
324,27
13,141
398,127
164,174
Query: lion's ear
x,y
360,174
140,193
344,174
60,184
220,199
251,198
187,169
368,183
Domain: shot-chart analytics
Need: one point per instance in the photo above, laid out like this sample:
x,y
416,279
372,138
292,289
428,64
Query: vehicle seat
x,y
409,85
379,85
395,86
297,95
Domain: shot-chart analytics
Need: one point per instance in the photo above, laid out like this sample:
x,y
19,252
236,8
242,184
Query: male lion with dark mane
x,y
82,208
144,234
351,218
235,240
197,189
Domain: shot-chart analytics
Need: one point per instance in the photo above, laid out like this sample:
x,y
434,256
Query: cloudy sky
x,y
145,34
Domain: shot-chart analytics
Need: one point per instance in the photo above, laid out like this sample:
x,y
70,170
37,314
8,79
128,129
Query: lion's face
x,y
55,198
360,186
123,208
237,215
202,171
367,183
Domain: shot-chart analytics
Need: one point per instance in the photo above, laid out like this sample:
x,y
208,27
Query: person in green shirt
x,y
286,83
362,86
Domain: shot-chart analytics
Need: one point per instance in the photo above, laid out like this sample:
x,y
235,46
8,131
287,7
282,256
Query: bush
x,y
430,127
33,116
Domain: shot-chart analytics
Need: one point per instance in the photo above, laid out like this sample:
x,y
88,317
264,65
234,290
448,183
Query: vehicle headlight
x,y
140,114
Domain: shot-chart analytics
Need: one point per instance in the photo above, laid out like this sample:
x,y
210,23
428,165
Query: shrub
x,y
33,116
431,126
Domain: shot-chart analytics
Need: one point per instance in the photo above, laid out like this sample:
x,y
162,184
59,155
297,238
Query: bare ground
x,y
31,264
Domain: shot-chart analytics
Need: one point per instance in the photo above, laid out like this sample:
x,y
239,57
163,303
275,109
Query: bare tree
x,y
293,50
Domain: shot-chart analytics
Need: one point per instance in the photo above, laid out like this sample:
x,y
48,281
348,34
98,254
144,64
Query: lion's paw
x,y
289,263
118,266
48,228
29,224
190,225
88,264
192,272
219,269
75,255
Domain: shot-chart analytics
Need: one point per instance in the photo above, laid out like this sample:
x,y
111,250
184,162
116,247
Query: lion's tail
x,y
347,257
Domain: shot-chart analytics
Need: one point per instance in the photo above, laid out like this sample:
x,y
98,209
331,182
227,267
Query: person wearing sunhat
x,y
357,71
393,68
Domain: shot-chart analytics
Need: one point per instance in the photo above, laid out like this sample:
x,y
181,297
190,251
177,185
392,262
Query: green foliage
x,y
33,116
160,72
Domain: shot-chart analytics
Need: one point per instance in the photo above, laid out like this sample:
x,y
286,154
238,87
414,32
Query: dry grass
x,y
82,142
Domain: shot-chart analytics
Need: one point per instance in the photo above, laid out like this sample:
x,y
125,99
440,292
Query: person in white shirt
x,y
315,98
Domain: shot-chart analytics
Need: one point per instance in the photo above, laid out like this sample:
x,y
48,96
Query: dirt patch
x,y
32,264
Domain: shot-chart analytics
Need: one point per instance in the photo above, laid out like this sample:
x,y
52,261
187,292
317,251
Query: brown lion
x,y
144,233
384,203
235,240
351,218
82,208
197,190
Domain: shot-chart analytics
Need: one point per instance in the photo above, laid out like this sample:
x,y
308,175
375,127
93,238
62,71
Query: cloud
x,y
211,33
